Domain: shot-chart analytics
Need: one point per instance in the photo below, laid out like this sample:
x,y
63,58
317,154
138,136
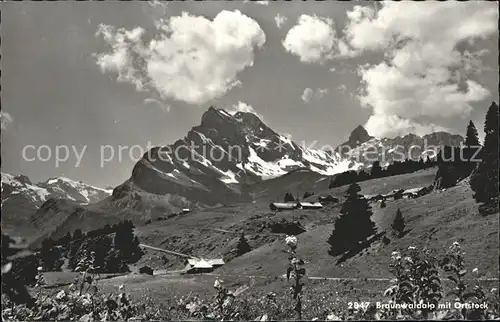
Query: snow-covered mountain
x,y
60,187
365,149
219,160
21,198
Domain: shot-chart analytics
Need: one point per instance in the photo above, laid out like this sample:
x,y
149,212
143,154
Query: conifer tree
x,y
471,138
354,224
398,224
376,171
243,247
484,181
288,197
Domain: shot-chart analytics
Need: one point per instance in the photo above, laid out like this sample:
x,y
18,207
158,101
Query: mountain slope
x,y
230,159
21,198
223,154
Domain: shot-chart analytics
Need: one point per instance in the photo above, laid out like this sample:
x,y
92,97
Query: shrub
x,y
81,301
453,264
417,281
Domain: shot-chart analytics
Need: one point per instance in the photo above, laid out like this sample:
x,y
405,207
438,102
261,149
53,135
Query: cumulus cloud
x,y
280,20
191,59
309,94
5,119
244,107
424,80
314,39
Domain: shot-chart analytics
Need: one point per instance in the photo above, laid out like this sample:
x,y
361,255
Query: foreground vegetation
x,y
415,292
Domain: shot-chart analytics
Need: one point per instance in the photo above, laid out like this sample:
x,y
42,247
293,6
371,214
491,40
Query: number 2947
x,y
358,305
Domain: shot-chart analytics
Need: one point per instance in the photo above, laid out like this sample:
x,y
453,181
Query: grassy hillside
x,y
433,221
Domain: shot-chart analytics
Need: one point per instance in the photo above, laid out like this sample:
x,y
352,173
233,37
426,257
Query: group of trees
x,y
484,179
78,234
289,197
111,253
456,163
478,162
395,168
17,273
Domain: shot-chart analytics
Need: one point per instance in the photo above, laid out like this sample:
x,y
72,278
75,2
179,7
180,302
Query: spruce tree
x,y
77,234
484,181
354,224
48,254
376,171
471,138
243,247
288,197
398,224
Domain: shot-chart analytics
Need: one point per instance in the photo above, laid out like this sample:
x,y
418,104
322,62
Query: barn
x,y
280,206
309,205
199,265
216,263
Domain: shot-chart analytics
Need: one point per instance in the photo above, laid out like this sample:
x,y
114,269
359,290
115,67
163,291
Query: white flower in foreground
x,y
395,256
86,300
475,270
291,240
39,268
333,317
61,295
218,283
412,247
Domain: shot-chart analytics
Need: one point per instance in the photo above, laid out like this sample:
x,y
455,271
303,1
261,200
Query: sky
x,y
88,77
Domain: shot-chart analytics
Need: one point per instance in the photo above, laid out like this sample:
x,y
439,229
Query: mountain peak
x,y
215,116
359,131
358,136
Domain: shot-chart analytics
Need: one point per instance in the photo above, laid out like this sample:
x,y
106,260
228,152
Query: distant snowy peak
x,y
75,190
368,149
21,186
